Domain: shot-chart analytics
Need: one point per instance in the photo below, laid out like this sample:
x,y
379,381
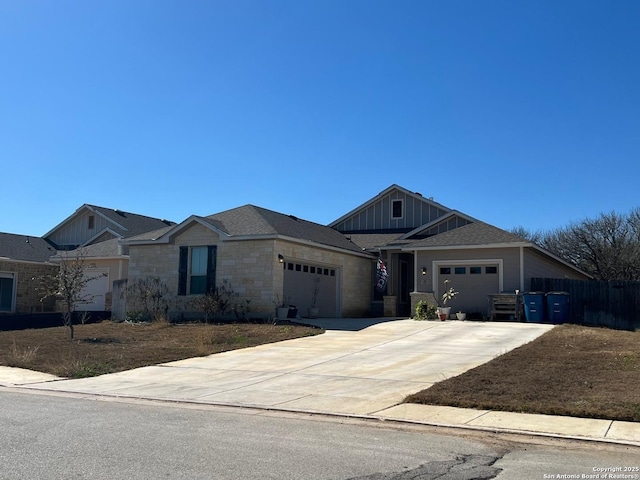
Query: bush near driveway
x,y
570,370
109,347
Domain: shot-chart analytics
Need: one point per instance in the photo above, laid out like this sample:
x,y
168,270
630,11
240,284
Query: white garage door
x,y
95,290
301,280
473,282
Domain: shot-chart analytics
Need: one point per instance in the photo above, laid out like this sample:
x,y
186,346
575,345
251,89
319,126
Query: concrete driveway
x,y
344,372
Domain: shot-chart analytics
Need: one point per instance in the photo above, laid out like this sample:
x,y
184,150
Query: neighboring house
x,y
425,243
262,255
23,259
93,232
91,224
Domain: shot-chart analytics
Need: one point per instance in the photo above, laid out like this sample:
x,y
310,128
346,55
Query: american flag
x,y
381,276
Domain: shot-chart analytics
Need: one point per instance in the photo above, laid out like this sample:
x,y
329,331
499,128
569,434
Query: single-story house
x,y
23,259
265,256
425,243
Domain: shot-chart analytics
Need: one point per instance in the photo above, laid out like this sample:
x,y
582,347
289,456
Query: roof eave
x,y
166,236
410,248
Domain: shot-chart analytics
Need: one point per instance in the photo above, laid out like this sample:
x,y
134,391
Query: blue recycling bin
x,y
558,307
534,307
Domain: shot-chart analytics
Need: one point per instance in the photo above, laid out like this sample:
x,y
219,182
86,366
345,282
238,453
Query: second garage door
x,y
474,282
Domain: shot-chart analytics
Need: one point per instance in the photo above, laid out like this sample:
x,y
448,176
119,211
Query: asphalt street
x,y
60,436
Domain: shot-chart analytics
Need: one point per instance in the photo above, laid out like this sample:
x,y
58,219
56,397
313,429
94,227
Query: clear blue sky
x,y
514,112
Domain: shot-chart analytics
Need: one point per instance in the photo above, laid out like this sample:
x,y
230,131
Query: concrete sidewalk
x,y
363,373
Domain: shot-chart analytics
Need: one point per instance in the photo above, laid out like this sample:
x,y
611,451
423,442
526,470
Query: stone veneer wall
x,y
247,266
251,268
27,298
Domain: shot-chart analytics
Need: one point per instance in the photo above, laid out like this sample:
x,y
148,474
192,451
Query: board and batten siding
x,y
76,231
453,222
377,216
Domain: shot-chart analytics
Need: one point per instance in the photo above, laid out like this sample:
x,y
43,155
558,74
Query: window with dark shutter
x,y
197,270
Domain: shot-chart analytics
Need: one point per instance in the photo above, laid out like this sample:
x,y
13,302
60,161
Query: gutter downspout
x,y
522,269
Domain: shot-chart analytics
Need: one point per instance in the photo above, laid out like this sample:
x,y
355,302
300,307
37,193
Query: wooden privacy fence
x,y
613,304
119,300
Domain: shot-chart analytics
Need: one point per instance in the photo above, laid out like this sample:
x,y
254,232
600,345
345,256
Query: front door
x,y
405,286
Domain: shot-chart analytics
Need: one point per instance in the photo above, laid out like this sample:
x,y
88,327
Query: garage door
x,y
301,280
95,291
474,282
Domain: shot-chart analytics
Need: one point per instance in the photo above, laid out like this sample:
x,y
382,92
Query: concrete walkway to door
x,y
340,372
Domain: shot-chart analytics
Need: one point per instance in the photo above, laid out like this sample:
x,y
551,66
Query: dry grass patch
x,y
570,370
109,347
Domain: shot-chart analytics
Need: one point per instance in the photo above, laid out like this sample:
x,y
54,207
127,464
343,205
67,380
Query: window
x,y
197,270
6,292
491,270
460,270
445,271
475,270
92,222
396,209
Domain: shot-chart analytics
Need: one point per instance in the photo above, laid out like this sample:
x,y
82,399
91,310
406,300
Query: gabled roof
x,y
107,249
453,214
477,234
251,221
123,224
25,248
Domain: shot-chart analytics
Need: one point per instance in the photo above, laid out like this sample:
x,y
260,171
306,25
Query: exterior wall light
x,y
424,270
280,258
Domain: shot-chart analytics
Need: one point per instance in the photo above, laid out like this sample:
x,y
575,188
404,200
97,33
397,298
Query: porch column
x,y
415,271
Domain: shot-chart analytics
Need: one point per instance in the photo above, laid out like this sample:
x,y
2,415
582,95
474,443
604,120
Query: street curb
x,y
378,418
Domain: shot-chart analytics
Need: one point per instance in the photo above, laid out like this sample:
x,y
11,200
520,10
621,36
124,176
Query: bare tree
x,y
67,285
607,247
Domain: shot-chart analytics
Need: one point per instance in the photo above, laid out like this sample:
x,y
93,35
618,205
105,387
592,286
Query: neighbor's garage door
x,y
474,282
300,280
95,290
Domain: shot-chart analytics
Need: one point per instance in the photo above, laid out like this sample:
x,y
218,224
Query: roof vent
x,y
119,212
418,193
293,217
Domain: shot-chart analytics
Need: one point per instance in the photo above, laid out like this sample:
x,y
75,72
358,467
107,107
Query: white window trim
x,y
401,208
436,264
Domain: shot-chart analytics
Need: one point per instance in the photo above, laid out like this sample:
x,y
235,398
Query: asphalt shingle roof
x,y
133,223
252,220
477,233
25,248
374,240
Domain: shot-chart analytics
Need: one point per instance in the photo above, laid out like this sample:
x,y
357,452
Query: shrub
x,y
150,298
425,311
219,301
